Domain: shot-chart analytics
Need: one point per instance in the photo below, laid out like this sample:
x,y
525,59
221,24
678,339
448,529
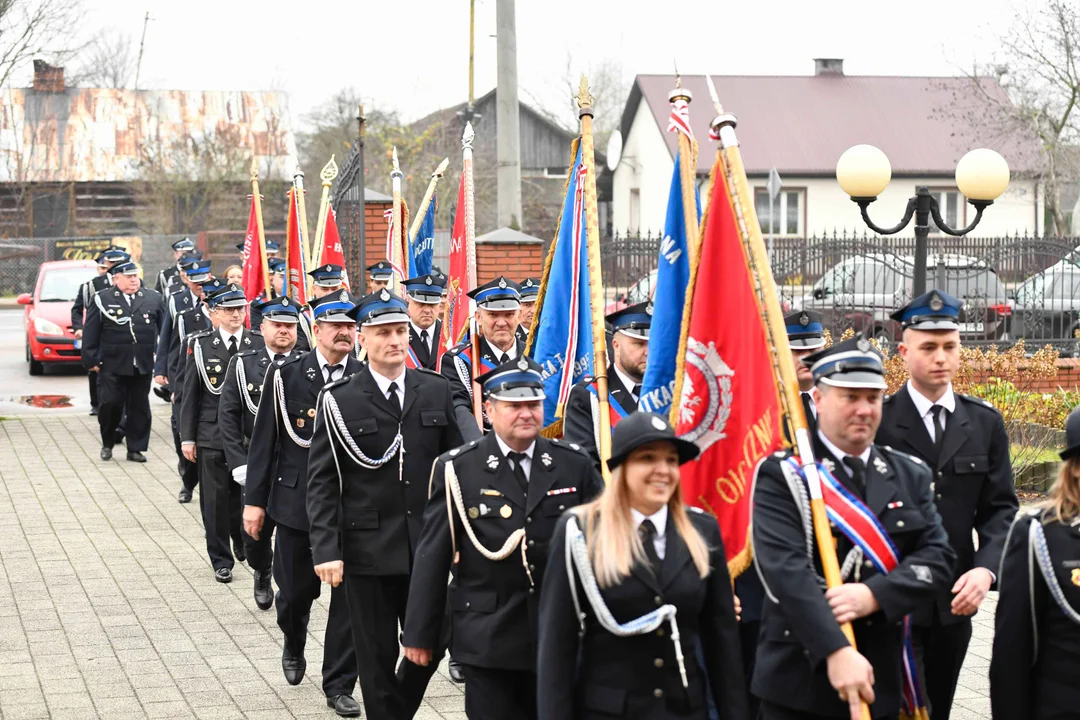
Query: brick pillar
x,y
375,228
516,259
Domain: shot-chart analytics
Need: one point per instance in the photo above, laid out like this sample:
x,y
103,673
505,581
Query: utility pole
x,y
508,132
142,44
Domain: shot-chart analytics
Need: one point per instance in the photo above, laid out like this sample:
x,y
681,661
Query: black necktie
x,y
636,392
858,473
516,459
504,359
232,346
939,432
392,395
330,371
647,533
424,339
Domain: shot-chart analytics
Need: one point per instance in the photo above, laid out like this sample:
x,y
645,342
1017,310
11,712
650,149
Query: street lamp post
x,y
864,172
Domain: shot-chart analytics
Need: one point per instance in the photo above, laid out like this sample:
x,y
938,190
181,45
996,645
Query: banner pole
x,y
257,199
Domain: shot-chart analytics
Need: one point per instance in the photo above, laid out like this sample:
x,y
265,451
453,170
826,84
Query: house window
x,y
787,211
951,206
635,211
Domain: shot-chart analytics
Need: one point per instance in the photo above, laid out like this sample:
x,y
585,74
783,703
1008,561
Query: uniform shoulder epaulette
x,y
427,371
887,398
255,331
977,402
291,359
458,349
458,451
569,447
693,509
904,455
336,383
247,353
200,334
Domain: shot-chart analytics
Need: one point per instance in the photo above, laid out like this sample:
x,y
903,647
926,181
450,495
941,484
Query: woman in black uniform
x,y
650,579
1035,670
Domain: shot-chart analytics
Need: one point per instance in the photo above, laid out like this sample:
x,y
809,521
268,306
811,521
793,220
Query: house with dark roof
x,y
800,125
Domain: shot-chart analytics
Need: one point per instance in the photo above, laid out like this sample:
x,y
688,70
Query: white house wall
x,y
646,165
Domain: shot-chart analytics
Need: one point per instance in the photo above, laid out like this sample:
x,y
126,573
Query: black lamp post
x,y
864,172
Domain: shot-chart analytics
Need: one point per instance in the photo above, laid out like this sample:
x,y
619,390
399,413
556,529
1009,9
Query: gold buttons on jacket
x,y
658,662
658,600
658,693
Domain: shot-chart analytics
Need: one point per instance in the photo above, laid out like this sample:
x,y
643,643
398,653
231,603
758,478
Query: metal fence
x,y
21,257
1021,287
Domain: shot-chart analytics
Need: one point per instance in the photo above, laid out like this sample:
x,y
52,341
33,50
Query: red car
x,y
48,313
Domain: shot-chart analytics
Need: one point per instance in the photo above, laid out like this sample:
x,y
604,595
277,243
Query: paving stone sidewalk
x,y
108,604
109,608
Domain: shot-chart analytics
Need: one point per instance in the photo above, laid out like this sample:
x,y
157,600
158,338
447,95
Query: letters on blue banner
x,y
422,245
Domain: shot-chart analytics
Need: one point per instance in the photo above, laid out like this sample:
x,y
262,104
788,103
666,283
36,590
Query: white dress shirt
x,y
384,384
324,363
659,521
511,354
840,454
430,333
526,464
925,407
626,380
225,336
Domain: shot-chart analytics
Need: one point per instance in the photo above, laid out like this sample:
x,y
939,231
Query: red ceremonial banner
x,y
729,403
333,253
295,270
254,269
457,278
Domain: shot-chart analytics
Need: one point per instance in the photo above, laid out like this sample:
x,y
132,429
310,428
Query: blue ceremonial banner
x,y
564,344
672,277
422,246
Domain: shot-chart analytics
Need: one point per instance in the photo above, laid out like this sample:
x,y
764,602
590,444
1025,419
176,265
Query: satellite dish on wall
x,y
614,150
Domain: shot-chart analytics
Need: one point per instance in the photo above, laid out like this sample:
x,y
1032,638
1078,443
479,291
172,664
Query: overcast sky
x,y
412,55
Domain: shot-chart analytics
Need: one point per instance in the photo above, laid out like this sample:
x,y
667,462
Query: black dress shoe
x,y
184,496
94,411
106,453
343,705
264,594
136,457
457,674
238,551
292,665
223,575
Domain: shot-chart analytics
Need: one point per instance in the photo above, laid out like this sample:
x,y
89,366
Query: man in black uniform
x,y
630,346
181,321
118,342
964,442
497,314
379,276
806,334
377,434
240,396
424,295
105,260
170,276
200,434
529,289
276,268
805,666
512,481
276,486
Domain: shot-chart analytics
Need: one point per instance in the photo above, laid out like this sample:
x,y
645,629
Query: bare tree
x,y
609,91
32,29
1037,66
108,61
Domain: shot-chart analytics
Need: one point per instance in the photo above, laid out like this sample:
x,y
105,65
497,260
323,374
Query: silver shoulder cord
x,y
594,402
453,495
577,554
201,367
118,321
180,327
283,413
241,381
345,439
1038,547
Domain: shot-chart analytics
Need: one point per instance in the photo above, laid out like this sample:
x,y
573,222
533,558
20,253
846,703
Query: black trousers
x,y
776,712
492,694
189,471
939,653
120,394
260,553
748,638
298,587
92,379
376,606
219,499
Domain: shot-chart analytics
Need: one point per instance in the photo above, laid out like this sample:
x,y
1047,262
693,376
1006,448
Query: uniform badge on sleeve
x,y
922,574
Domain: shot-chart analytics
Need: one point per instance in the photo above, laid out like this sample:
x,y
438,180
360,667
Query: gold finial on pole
x,y
584,98
257,199
327,176
429,193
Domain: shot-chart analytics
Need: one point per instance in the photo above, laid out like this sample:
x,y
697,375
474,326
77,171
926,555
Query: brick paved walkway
x,y
109,609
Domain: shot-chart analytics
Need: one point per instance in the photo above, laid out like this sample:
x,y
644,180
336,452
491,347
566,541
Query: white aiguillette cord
x,y
577,554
